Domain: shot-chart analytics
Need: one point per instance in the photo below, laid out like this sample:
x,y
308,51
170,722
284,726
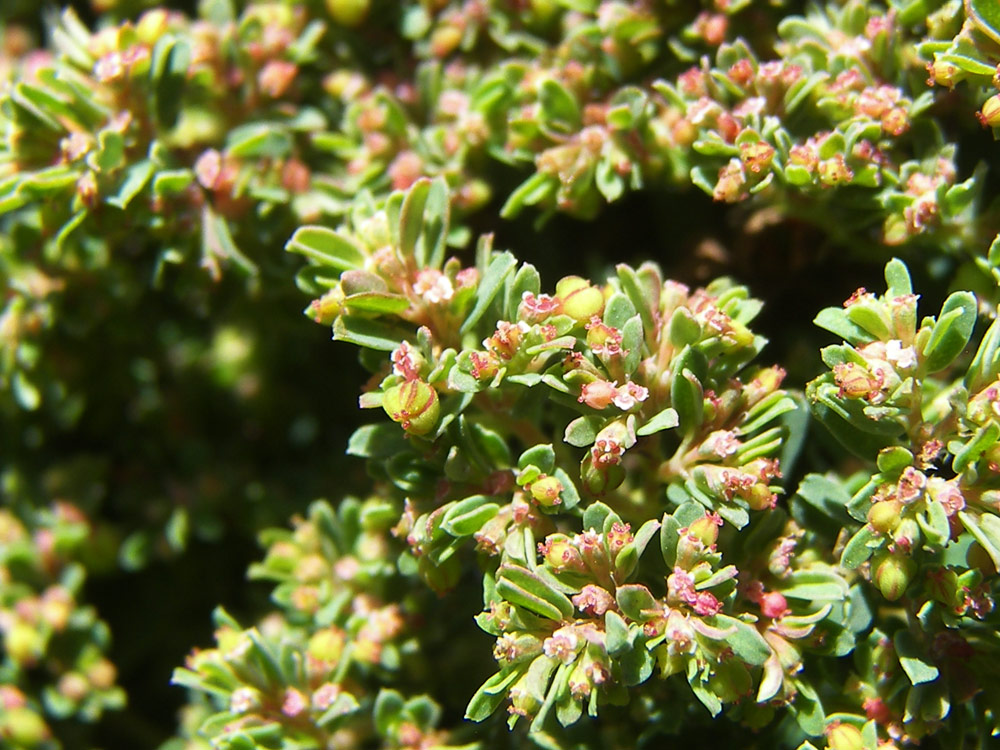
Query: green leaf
x,y
411,219
616,632
664,420
911,660
256,140
582,431
376,302
893,459
981,441
816,585
835,320
636,602
951,332
859,548
499,268
490,695
168,69
618,310
746,642
527,589
217,241
370,334
985,14
986,364
542,456
986,529
379,440
136,178
636,292
326,247
467,516
559,107
172,181
935,524
897,279
808,710
687,399
388,711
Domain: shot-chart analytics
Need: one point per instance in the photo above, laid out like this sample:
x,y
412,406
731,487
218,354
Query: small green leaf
x,y
326,247
467,516
136,178
411,219
746,642
636,602
911,660
835,320
985,14
559,107
951,332
168,69
496,272
256,140
893,459
986,529
371,334
663,420
582,431
376,302
687,399
616,632
388,711
527,589
859,547
897,279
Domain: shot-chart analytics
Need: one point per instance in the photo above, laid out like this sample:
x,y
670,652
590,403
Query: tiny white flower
x,y
904,358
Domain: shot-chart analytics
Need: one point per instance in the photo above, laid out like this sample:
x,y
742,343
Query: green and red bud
x,y
414,405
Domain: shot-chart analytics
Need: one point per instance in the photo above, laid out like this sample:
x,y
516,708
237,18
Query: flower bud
x,y
580,300
892,574
24,644
23,728
327,645
989,115
546,490
773,604
414,404
706,529
883,516
560,554
840,736
599,480
348,13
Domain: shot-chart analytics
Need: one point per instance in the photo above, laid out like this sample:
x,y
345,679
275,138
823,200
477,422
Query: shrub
x,y
665,529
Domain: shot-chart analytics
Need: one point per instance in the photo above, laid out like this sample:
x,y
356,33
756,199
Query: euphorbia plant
x,y
592,509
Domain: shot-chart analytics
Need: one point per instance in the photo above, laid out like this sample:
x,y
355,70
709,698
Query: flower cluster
x,y
928,538
310,672
46,633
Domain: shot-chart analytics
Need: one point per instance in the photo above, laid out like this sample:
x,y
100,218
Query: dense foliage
x,y
584,502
